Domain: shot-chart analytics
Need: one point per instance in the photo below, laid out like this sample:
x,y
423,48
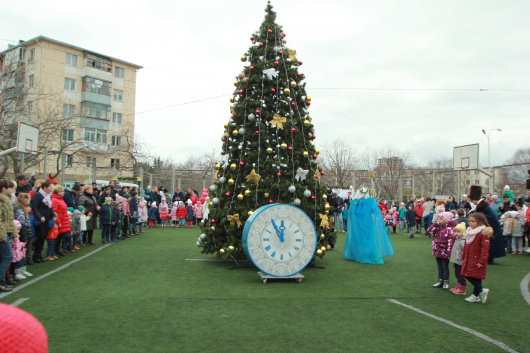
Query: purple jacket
x,y
444,238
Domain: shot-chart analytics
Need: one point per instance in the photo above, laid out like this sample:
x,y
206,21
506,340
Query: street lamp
x,y
489,154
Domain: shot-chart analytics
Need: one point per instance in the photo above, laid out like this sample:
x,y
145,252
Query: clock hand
x,y
277,231
282,228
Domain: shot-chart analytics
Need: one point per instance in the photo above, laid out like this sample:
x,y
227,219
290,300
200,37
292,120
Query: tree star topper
x,y
292,55
278,121
301,174
270,73
253,176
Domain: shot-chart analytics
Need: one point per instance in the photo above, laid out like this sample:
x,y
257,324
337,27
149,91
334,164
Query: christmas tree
x,y
268,150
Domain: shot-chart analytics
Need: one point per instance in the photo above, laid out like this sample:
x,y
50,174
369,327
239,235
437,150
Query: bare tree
x,y
339,160
445,179
516,173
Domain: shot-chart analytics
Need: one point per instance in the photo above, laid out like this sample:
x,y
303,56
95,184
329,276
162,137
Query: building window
x,y
477,182
116,118
68,110
91,162
71,59
116,141
468,182
115,163
118,95
31,78
96,135
69,84
68,160
31,57
68,135
95,110
98,63
96,86
118,72
22,54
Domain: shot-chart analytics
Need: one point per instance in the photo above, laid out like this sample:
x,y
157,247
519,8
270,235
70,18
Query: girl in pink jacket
x,y
198,212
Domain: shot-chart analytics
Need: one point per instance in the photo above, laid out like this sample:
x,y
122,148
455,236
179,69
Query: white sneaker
x,y
27,274
472,299
20,276
484,295
527,250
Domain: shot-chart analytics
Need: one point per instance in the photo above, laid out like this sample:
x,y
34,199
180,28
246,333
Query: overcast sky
x,y
406,73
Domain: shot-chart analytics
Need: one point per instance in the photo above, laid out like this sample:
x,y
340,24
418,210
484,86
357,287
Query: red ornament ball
x,y
281,52
290,148
293,104
218,175
276,63
313,137
269,31
308,102
312,197
227,194
279,174
260,44
213,221
329,228
257,111
293,129
257,132
299,63
251,68
243,163
270,201
284,41
252,38
283,34
273,90
241,91
298,74
315,156
316,176
322,173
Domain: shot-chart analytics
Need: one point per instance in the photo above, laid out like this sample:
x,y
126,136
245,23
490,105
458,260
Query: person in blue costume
x,y
367,240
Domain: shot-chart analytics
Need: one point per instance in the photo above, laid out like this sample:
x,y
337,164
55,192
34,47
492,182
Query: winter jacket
x,y
23,189
465,205
6,217
402,213
198,210
101,198
506,207
125,207
462,219
89,202
143,211
419,211
456,253
510,194
519,228
116,216
105,214
449,206
444,237
153,213
345,214
70,199
181,212
189,213
411,218
60,208
25,230
383,208
178,196
40,209
133,209
163,211
427,207
395,217
495,208
174,213
194,199
476,253
74,223
496,243
83,219
428,218
389,219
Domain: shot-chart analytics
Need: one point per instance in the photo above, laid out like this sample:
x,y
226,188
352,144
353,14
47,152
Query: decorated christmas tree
x,y
268,147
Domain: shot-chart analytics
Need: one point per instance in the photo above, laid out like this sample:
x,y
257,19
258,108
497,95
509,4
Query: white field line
x,y
19,287
524,288
209,260
18,302
450,323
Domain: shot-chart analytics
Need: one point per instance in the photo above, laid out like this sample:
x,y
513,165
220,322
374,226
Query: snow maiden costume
x,y
367,240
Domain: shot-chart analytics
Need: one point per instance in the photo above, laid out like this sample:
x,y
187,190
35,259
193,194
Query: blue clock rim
x,y
249,222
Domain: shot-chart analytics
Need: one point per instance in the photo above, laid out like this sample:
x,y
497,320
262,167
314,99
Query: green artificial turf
x,y
142,295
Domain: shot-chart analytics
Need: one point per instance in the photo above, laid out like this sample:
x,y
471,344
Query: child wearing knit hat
x,y
442,245
402,213
456,259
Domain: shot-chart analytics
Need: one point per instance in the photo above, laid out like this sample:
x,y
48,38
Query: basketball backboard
x,y
465,157
27,138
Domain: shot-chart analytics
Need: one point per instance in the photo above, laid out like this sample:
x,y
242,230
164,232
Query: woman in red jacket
x,y
475,255
63,221
52,179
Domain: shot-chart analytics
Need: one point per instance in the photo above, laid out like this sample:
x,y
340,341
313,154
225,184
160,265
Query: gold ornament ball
x,y
231,181
328,247
223,138
293,84
247,192
236,83
266,194
250,212
317,151
231,248
319,253
286,90
222,251
269,150
245,79
326,207
327,211
283,146
233,166
241,75
211,204
235,132
322,236
243,58
225,125
310,143
308,98
310,118
240,197
232,99
306,122
305,154
217,166
324,197
202,222
323,248
212,228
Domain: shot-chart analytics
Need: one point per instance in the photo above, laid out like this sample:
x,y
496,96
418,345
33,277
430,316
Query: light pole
x,y
489,154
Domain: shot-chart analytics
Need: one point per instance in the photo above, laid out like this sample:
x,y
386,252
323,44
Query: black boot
x,y
4,287
10,280
36,258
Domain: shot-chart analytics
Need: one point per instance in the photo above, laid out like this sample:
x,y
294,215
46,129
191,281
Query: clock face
x,y
280,239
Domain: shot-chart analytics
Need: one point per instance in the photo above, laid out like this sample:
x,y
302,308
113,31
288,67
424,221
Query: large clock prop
x,y
280,240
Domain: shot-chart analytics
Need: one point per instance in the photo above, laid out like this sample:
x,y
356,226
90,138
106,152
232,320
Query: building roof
x,y
43,38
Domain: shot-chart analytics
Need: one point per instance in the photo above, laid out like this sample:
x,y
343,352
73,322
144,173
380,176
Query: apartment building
x,y
89,96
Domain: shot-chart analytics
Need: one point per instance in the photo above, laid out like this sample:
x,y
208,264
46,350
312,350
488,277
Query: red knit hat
x,y
21,331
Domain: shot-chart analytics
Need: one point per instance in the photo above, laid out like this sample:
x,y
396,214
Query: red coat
x,y
383,208
475,253
181,212
60,208
419,210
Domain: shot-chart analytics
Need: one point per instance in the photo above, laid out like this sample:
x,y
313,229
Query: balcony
x,y
96,98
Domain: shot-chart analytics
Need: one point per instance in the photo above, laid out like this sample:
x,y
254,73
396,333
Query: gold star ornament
x,y
254,177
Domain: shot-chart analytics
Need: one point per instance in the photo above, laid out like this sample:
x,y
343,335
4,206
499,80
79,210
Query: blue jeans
x,y
182,222
338,221
67,241
443,268
105,231
6,256
51,245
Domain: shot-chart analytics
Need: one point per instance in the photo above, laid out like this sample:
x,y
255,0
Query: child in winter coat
x,y
83,218
428,219
153,213
142,208
444,238
18,254
181,214
75,225
456,259
206,208
163,212
518,232
508,228
105,220
345,211
198,212
411,220
52,236
419,215
116,220
475,255
174,217
189,214
389,220
402,213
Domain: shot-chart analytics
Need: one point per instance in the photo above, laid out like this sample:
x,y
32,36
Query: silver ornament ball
x,y
203,236
242,131
222,180
213,188
198,244
297,202
291,189
215,201
251,117
307,193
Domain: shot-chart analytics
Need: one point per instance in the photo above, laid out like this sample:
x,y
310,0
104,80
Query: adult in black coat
x,y
70,197
42,212
22,185
497,241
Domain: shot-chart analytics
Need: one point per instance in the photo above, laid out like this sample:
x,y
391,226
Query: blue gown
x,y
367,240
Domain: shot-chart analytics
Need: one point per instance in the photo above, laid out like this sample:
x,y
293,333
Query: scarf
x,y
47,198
471,233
